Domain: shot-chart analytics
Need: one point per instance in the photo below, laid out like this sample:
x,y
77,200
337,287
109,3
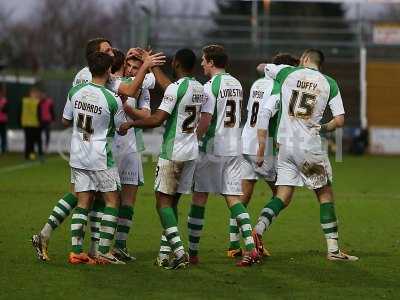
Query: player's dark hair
x,y
99,63
93,45
186,58
119,59
285,59
217,54
316,56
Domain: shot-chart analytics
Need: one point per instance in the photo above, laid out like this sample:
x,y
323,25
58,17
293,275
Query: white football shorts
x,y
218,174
99,181
130,168
298,167
174,177
251,171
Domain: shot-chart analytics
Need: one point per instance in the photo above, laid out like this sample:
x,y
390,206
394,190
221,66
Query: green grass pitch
x,y
367,202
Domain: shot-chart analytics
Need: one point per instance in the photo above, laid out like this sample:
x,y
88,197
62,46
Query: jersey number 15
x,y
304,108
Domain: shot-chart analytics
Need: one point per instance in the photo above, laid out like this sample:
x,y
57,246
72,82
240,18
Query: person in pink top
x,y
46,117
3,120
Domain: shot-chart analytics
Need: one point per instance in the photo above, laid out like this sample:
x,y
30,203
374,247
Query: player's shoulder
x,y
76,88
83,76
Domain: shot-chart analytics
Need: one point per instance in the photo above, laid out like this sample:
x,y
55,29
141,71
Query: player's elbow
x,y
66,123
339,121
260,69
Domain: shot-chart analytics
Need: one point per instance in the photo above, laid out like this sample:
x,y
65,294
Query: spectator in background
x,y
30,122
46,118
3,120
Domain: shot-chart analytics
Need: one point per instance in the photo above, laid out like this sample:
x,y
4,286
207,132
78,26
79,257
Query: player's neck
x,y
216,71
311,66
181,75
99,80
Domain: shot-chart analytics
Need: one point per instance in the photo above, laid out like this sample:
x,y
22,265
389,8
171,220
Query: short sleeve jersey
x,y
305,93
262,90
182,101
133,140
224,96
96,113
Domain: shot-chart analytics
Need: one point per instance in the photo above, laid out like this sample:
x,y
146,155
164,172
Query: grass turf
x,y
367,207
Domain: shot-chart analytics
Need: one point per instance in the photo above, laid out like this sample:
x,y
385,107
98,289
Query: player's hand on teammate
x,y
123,129
135,52
152,60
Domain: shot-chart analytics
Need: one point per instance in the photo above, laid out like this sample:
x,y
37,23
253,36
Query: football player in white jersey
x,y
260,91
95,113
65,205
218,168
302,161
180,107
127,151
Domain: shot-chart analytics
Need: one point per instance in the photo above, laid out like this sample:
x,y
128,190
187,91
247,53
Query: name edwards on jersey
x,y
92,108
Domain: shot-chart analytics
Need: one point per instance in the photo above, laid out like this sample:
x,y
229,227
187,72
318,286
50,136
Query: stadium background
x,y
360,40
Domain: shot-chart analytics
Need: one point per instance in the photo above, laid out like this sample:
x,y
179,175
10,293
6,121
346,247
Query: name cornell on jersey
x,y
230,93
87,107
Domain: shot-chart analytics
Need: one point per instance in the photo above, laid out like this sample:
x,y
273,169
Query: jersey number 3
x,y
84,123
305,108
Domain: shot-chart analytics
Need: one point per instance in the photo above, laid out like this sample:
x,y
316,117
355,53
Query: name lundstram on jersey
x,y
88,107
230,93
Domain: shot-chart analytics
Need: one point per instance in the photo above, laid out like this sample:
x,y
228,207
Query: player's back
x,y
223,135
305,93
259,89
94,109
182,100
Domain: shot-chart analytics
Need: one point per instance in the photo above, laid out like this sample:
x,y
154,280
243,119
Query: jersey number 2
x,y
188,124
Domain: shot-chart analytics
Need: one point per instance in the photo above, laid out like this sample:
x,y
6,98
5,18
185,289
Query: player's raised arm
x,y
161,78
149,60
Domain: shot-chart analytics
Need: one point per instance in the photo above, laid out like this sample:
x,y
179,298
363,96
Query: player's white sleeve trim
x,y
336,105
144,100
263,119
209,103
119,117
67,113
170,97
149,81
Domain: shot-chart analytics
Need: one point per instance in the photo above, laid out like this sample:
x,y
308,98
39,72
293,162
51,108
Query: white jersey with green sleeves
x,y
133,140
224,99
263,89
305,93
182,101
96,113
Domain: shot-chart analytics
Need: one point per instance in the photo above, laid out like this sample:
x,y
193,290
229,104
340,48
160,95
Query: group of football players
x,y
204,150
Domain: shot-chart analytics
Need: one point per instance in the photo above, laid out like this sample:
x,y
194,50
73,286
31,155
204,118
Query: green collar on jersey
x,y
96,85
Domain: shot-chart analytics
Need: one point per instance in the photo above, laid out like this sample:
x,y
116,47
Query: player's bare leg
x,y
239,212
169,223
125,220
78,224
329,224
270,211
195,224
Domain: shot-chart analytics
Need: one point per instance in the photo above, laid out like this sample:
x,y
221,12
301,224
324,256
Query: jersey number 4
x,y
84,123
304,108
